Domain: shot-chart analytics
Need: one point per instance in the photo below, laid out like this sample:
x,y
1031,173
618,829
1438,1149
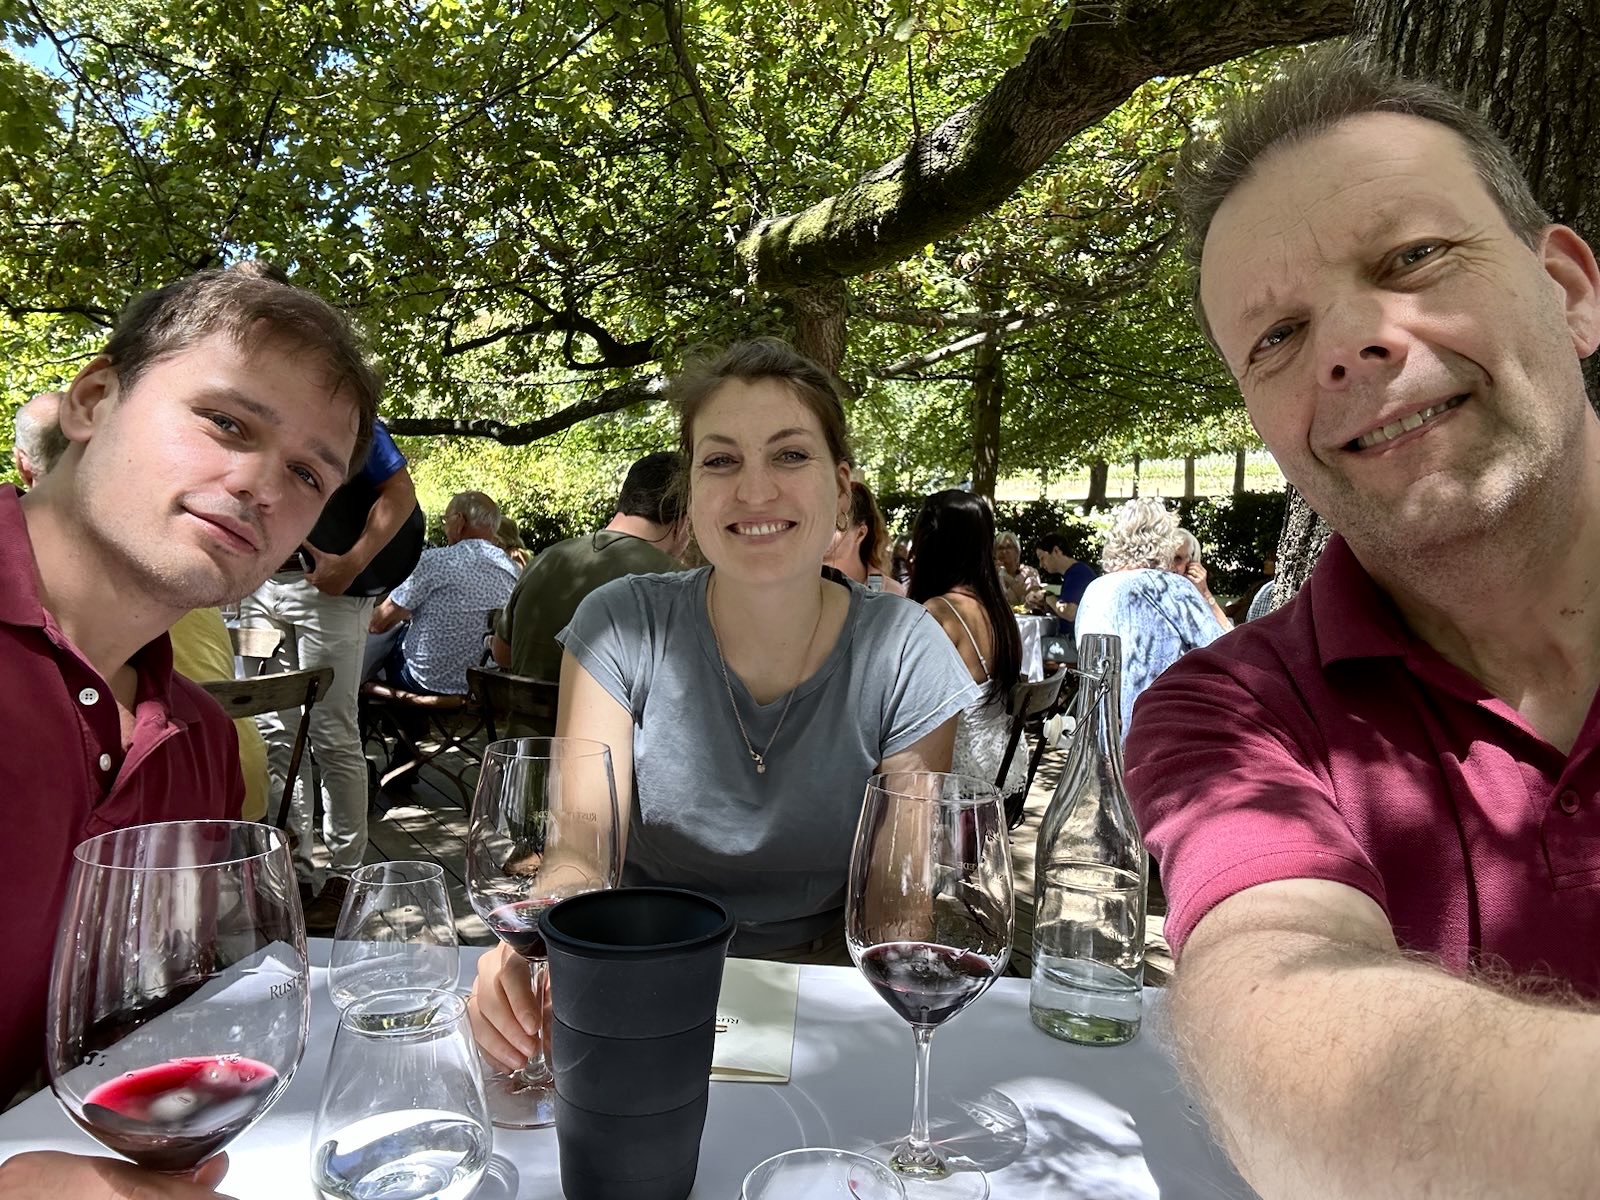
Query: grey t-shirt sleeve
x,y
930,685
607,635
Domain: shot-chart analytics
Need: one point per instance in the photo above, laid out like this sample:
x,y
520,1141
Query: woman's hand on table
x,y
52,1175
505,1019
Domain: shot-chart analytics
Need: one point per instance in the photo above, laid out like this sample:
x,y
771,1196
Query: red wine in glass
x,y
927,984
175,1115
543,828
174,1027
517,925
928,919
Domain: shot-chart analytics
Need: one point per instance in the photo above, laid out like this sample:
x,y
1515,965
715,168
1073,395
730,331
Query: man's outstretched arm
x,y
1331,1065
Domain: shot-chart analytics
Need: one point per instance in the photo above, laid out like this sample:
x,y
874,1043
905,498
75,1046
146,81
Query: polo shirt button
x,y
88,696
1569,801
105,762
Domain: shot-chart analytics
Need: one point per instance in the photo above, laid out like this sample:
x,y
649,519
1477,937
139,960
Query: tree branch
x,y
1089,61
643,389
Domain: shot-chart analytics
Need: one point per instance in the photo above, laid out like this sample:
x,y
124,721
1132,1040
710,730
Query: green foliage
x,y
527,205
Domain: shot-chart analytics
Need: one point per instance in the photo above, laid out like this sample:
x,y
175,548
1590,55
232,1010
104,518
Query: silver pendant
x,y
761,766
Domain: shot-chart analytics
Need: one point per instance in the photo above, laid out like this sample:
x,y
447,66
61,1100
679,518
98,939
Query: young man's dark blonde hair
x,y
1331,85
250,304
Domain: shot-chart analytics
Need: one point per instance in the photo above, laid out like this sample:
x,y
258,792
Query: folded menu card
x,y
755,1021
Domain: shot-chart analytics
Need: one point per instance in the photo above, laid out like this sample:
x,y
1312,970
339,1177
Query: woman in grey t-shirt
x,y
746,703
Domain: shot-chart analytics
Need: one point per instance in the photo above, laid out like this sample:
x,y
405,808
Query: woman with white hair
x,y
1186,561
1159,614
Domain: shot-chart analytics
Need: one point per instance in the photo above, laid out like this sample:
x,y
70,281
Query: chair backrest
x,y
275,693
504,697
270,693
252,642
1025,700
1029,699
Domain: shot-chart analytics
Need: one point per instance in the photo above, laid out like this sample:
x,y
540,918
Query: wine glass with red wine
x,y
929,919
544,827
179,995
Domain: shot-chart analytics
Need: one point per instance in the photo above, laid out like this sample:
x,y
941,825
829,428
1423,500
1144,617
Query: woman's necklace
x,y
760,759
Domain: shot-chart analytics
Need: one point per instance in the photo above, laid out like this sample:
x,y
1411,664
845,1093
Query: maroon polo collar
x,y
20,605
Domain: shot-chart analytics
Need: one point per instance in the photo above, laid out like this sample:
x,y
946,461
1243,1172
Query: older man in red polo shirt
x,y
204,440
1377,812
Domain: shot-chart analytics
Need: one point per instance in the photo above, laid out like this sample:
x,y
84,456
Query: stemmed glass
x,y
179,995
929,919
395,931
544,827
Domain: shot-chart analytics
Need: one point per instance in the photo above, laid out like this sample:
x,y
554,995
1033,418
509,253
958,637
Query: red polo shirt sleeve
x,y
1224,769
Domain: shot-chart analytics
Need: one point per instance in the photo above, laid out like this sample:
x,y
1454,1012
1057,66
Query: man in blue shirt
x,y
447,600
1051,550
312,603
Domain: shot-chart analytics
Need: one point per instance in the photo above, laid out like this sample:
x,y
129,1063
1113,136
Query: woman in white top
x,y
953,575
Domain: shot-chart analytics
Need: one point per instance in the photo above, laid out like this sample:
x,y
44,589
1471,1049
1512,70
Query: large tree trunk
x,y
1088,62
988,396
819,314
1526,66
1099,478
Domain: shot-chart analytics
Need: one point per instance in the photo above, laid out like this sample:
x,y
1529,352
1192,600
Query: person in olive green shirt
x,y
646,537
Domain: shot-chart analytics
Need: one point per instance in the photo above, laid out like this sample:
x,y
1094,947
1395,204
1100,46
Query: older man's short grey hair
x,y
476,511
1143,534
39,437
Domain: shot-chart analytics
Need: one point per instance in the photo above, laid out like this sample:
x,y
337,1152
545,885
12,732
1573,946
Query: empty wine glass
x,y
179,995
928,919
543,828
402,1115
817,1173
395,931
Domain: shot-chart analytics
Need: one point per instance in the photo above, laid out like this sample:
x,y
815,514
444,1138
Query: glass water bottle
x,y
1090,874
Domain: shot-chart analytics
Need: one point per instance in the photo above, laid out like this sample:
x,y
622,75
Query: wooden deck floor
x,y
429,822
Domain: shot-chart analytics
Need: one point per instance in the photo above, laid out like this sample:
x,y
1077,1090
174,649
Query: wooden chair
x,y
531,702
449,721
1027,700
275,693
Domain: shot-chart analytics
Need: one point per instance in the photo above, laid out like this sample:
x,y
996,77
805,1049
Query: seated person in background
x,y
203,651
1186,562
36,432
1376,809
203,439
447,600
1246,607
858,550
953,576
509,538
1051,550
646,537
1159,614
1016,579
747,702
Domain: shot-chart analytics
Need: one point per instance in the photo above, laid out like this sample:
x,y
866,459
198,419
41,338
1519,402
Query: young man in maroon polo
x,y
1377,811
204,441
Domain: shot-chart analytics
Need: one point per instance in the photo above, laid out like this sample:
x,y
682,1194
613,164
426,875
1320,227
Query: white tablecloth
x,y
1034,630
1065,1122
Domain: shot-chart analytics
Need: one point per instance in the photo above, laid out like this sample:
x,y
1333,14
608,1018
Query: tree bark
x,y
1238,472
1528,68
644,389
819,314
1073,75
988,397
1188,477
1099,478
